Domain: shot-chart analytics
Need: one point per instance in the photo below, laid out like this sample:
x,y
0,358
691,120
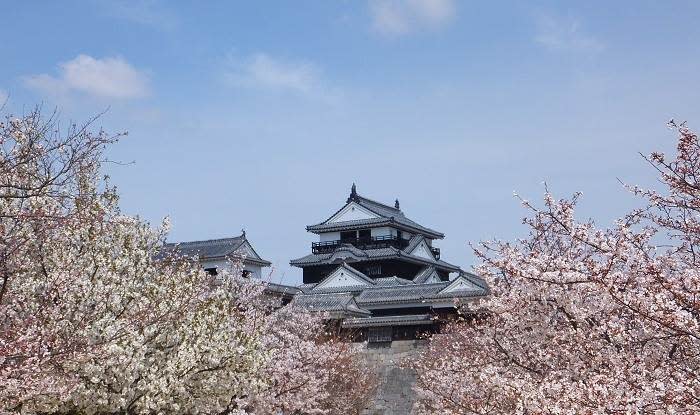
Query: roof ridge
x,y
405,286
208,241
366,199
359,273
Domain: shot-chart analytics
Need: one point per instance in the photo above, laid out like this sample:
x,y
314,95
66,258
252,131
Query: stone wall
x,y
394,392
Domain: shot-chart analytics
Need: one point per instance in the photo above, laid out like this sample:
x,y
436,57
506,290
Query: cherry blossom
x,y
583,319
95,319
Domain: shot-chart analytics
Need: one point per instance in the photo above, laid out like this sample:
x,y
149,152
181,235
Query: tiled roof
x,y
338,303
379,282
476,280
207,249
350,270
415,292
414,242
385,281
388,215
211,249
368,255
403,320
285,290
395,290
424,275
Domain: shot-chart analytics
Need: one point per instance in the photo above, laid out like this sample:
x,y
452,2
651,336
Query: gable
x,y
433,278
422,250
352,211
460,284
247,250
341,277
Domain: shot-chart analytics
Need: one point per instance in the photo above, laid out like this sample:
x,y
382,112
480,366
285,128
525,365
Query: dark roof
x,y
333,303
475,279
384,281
398,291
213,249
379,282
425,274
351,253
352,271
369,296
388,215
281,289
415,292
403,320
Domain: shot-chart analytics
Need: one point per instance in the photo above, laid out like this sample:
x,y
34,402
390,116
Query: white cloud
x,y
263,71
106,78
400,17
564,34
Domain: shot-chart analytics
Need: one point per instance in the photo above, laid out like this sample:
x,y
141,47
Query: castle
x,y
376,272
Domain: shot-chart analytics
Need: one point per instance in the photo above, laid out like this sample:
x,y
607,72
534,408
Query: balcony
x,y
374,242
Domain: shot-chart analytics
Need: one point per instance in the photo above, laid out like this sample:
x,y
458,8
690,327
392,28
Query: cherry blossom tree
x,y
310,369
583,319
95,319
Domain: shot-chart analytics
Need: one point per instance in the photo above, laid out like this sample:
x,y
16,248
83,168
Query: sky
x,y
260,115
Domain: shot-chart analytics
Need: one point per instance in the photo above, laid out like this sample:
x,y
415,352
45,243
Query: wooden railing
x,y
374,242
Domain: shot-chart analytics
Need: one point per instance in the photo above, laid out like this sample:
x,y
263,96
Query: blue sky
x,y
262,114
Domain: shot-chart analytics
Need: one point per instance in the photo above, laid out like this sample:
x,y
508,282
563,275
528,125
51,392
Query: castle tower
x,y
379,273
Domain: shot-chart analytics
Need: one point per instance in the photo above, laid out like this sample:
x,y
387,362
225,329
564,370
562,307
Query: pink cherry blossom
x,y
94,320
583,319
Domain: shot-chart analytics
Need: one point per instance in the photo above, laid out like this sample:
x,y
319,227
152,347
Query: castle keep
x,y
380,274
376,272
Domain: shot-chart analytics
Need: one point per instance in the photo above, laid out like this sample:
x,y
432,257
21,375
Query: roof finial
x,y
243,232
396,204
353,193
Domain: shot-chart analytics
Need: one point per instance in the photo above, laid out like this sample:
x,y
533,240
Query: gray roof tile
x,y
388,281
387,215
423,276
370,254
211,248
403,320
329,302
415,292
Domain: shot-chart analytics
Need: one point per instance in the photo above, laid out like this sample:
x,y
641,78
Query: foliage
x,y
94,319
584,320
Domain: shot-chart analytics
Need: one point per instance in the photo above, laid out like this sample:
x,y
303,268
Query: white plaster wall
x,y
383,231
353,211
255,270
222,265
329,236
219,265
341,278
423,251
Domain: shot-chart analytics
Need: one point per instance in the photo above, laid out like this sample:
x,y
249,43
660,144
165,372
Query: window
x,y
246,273
374,270
365,234
211,271
379,334
348,235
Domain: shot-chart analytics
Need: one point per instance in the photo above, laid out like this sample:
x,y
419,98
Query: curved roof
x,y
216,249
393,290
333,303
387,215
353,254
